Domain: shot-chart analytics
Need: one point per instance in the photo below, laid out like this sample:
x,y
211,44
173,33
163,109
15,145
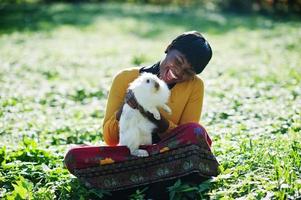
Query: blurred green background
x,y
264,6
57,61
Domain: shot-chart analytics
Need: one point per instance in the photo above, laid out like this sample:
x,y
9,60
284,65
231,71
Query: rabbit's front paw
x,y
157,116
155,113
166,109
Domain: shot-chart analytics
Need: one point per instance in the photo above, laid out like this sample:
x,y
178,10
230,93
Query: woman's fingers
x,y
131,100
133,103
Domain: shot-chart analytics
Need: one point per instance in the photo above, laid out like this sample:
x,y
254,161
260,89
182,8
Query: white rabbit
x,y
135,129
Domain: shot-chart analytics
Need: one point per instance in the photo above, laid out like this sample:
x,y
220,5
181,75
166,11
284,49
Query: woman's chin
x,y
168,81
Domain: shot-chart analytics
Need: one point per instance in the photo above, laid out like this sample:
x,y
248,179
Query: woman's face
x,y
174,68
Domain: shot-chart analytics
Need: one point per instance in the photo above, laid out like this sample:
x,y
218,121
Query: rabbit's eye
x,y
147,80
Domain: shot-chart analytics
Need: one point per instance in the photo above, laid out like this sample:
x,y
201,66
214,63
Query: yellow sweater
x,y
185,101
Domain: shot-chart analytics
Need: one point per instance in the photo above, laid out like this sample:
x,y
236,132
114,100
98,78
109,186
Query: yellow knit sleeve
x,y
193,108
115,100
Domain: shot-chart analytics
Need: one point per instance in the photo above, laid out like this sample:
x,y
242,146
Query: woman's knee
x,y
194,128
195,132
69,160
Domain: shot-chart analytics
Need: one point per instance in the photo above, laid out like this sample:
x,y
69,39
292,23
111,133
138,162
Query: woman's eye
x,y
178,63
147,80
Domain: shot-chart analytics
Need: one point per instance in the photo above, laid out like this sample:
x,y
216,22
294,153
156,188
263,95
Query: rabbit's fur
x,y
151,93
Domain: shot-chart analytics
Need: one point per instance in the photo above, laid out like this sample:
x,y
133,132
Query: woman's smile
x,y
169,76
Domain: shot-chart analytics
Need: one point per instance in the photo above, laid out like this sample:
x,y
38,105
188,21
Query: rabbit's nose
x,y
157,85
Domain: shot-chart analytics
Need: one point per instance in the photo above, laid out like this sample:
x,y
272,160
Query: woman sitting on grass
x,y
181,146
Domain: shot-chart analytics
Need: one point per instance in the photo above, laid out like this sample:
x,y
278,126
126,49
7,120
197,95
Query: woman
x,y
181,146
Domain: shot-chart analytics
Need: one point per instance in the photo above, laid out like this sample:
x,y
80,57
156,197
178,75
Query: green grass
x,y
57,63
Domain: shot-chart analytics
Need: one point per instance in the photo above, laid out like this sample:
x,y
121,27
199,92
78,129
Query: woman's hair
x,y
195,48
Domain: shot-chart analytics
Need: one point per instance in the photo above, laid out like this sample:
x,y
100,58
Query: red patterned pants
x,y
184,152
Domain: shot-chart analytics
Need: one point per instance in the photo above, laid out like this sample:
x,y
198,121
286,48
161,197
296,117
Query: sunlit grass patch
x,y
57,63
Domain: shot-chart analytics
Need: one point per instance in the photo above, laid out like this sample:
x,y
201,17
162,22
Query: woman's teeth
x,y
171,75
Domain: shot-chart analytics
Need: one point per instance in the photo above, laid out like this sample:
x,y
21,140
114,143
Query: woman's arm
x,y
193,108
114,106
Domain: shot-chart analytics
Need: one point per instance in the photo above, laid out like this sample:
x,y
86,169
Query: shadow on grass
x,y
46,17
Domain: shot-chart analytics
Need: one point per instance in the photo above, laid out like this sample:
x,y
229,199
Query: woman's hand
x,y
162,124
130,100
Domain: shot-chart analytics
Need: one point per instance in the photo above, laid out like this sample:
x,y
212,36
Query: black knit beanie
x,y
194,47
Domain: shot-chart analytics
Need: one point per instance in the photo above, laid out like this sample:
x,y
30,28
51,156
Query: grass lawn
x,y
56,66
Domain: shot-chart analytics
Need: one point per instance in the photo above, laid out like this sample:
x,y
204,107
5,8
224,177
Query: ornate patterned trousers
x,y
184,152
